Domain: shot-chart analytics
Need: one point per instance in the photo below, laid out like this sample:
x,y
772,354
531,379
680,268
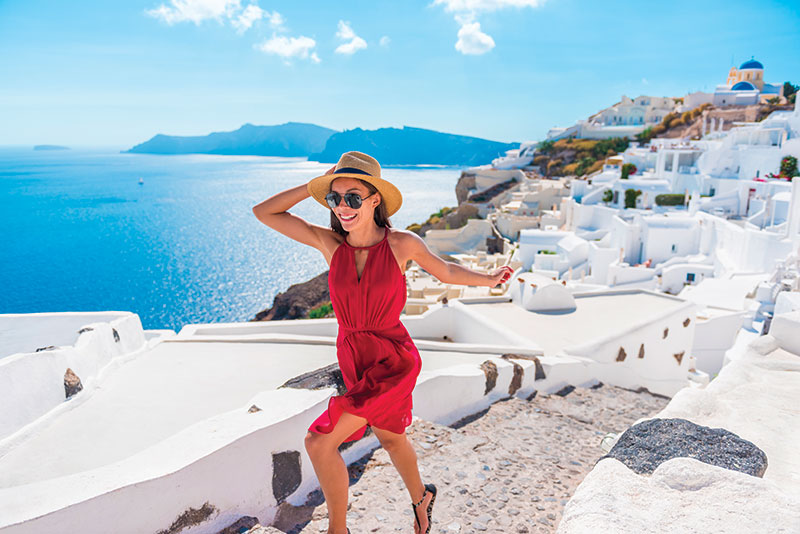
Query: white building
x,y
746,86
626,118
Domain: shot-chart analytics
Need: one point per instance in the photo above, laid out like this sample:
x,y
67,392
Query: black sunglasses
x,y
353,200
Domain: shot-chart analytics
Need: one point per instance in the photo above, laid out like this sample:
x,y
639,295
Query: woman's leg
x,y
404,458
323,449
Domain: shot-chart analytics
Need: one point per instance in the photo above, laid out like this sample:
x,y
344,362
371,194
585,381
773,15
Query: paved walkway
x,y
509,469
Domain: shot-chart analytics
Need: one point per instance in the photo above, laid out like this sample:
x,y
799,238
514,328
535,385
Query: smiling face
x,y
353,218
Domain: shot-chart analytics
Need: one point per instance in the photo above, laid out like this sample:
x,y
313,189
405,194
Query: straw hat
x,y
363,167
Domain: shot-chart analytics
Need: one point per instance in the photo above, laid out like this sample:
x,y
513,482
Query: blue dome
x,y
743,86
751,64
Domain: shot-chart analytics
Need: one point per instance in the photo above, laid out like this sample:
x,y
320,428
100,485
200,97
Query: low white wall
x,y
33,383
225,460
673,278
26,332
659,370
714,336
625,274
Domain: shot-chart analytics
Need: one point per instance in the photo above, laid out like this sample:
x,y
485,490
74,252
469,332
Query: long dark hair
x,y
380,216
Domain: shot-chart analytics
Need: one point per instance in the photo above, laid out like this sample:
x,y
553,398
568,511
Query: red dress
x,y
378,360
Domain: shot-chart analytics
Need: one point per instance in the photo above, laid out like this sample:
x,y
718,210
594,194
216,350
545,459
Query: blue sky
x,y
118,72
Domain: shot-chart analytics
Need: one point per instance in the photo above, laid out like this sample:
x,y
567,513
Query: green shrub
x,y
627,170
789,167
630,197
608,196
320,311
670,199
545,147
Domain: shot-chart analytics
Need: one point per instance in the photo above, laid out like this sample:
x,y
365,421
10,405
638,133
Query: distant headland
x,y
413,146
50,147
391,146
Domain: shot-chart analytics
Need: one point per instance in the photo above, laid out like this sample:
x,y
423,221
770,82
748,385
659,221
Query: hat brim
x,y
320,186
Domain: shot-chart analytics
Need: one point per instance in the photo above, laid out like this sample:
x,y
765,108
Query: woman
x,y
376,355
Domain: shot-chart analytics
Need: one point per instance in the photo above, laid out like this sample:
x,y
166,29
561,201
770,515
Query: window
x,y
690,277
616,197
674,247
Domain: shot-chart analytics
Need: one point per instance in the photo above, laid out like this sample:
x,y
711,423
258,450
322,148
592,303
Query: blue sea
x,y
80,233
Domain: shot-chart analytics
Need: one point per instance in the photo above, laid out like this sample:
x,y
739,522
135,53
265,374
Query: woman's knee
x,y
312,442
391,441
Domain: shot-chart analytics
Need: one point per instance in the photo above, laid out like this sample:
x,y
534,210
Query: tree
x,y
789,89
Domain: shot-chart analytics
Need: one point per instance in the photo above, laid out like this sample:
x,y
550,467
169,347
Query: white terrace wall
x,y
226,461
33,383
665,343
747,250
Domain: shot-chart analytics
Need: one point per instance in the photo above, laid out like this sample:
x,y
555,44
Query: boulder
x,y
646,445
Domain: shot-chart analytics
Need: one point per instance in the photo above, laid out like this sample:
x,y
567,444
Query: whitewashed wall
x,y
33,383
659,370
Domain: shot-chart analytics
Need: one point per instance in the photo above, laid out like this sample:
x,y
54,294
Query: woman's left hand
x,y
500,275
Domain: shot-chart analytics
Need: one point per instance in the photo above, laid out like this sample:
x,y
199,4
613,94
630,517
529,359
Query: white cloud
x,y
472,41
288,48
246,18
484,5
354,42
231,11
385,40
276,20
194,10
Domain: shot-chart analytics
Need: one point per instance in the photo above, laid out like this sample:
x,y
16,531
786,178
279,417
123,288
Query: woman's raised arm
x,y
449,272
272,212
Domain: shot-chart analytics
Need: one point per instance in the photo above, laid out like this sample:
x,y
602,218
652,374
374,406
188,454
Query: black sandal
x,y
429,488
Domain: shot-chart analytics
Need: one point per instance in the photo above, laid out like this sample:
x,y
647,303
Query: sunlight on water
x,y
80,233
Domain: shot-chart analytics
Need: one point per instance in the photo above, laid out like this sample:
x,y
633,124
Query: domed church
x,y
746,86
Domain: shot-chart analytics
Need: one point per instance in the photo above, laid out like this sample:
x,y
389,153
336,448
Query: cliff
x,y
292,139
298,300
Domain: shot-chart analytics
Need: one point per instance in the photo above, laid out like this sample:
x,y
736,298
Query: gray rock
x,y
72,384
329,376
646,445
244,524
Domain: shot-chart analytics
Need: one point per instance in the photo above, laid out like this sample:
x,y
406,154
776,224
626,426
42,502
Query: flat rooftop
x,y
729,293
595,317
